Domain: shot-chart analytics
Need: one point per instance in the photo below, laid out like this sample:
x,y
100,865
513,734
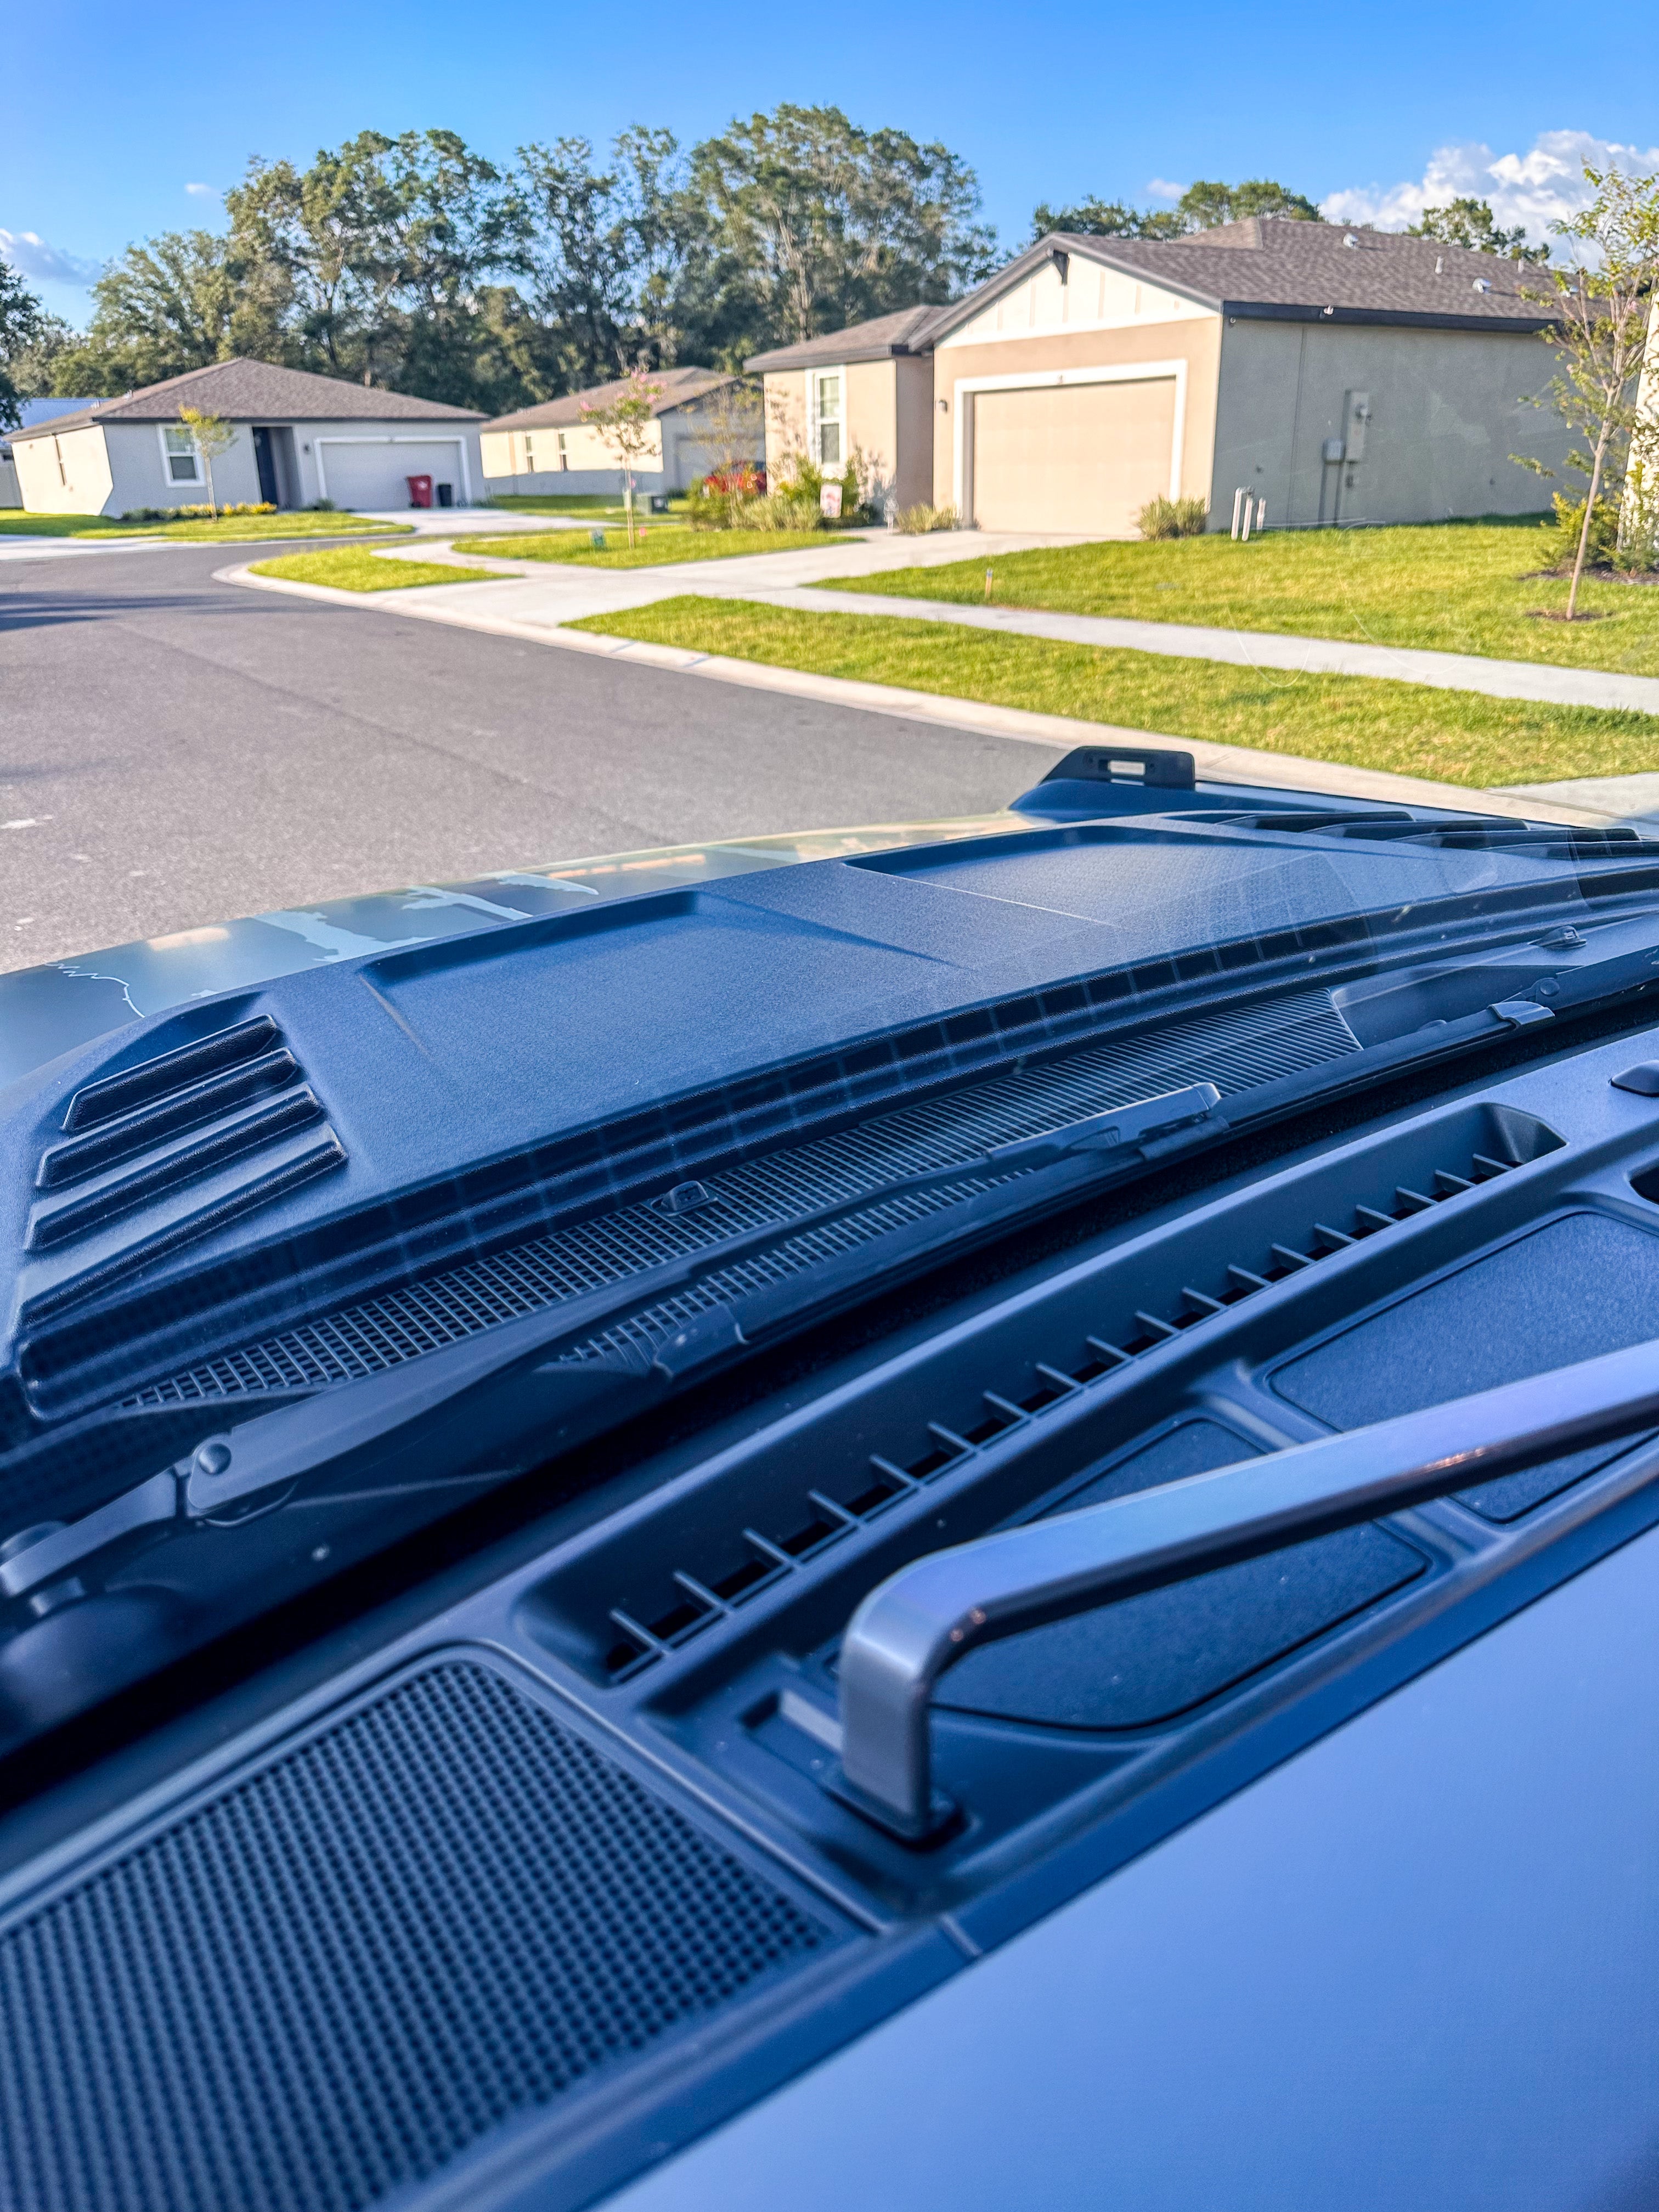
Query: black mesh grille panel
x,y
1235,1052
332,1977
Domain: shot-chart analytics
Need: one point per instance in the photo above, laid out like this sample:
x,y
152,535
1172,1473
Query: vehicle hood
x,y
48,1010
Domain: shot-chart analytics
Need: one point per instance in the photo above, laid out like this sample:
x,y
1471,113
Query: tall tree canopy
x,y
1096,218
817,224
1202,206
1472,222
414,264
21,321
1205,206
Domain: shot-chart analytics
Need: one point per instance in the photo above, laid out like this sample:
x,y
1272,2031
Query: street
x,y
174,751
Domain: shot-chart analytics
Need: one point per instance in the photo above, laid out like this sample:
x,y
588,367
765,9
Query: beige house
x,y
1326,374
868,390
700,414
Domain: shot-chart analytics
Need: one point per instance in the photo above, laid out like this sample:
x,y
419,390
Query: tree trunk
x,y
1590,516
213,504
627,502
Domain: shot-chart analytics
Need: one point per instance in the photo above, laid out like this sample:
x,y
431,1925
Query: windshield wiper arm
x,y
229,1475
921,1621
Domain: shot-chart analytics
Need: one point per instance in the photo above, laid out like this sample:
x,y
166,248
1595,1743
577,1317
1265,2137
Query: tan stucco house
x,y
1335,374
550,448
299,438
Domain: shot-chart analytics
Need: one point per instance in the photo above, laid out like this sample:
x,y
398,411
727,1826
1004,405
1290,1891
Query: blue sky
x,y
123,122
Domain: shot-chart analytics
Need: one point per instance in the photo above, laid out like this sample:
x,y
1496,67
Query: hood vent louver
x,y
809,1522
142,1147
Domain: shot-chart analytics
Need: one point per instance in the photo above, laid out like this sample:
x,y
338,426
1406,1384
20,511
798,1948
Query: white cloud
x,y
31,256
1545,185
1160,188
203,191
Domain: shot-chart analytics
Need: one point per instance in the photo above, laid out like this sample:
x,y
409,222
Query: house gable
x,y
1092,297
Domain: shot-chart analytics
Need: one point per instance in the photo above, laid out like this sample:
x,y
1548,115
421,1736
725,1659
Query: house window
x,y
183,465
529,455
564,458
828,419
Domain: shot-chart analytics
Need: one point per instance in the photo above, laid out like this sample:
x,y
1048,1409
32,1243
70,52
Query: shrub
x,y
916,521
321,507
1172,518
712,500
1624,533
792,500
1638,541
191,514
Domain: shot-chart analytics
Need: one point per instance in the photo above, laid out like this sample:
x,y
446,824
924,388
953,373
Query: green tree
x,y
820,224
1206,206
1095,218
21,318
213,436
1471,222
579,254
164,307
307,243
453,225
34,365
374,262
1601,332
624,423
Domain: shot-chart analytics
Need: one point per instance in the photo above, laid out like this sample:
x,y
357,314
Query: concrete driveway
x,y
175,750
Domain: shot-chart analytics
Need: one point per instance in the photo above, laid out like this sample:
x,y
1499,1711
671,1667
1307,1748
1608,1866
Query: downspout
x,y
1296,428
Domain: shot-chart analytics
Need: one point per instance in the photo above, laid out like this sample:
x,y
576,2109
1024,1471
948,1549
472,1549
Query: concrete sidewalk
x,y
1249,648
786,579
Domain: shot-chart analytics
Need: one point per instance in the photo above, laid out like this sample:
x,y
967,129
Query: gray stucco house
x,y
1336,375
299,439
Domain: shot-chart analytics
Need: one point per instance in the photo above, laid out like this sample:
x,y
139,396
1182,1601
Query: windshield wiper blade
x,y
923,1619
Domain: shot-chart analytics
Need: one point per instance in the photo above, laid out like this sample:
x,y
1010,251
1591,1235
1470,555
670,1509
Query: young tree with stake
x,y
212,435
624,425
1602,305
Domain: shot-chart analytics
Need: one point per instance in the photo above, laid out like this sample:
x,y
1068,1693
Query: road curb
x,y
1217,763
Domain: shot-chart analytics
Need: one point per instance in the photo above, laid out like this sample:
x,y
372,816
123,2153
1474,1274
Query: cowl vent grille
x,y
1237,1052
711,1578
321,1985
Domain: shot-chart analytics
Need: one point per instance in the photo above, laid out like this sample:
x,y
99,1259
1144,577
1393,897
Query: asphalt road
x,y
179,752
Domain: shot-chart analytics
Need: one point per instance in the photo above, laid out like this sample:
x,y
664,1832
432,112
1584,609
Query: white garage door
x,y
370,472
1072,456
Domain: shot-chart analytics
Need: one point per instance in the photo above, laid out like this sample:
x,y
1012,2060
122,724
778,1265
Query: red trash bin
x,y
420,490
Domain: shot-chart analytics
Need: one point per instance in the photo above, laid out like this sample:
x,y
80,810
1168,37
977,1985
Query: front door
x,y
266,462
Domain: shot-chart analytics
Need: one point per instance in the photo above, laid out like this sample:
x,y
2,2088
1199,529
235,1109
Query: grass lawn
x,y
1454,587
659,547
354,568
231,530
1455,737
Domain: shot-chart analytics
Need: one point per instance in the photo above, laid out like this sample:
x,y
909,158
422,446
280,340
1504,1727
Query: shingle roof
x,y
1297,269
907,330
256,392
678,387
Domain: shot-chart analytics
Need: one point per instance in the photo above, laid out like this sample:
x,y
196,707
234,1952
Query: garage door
x,y
1072,456
370,472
